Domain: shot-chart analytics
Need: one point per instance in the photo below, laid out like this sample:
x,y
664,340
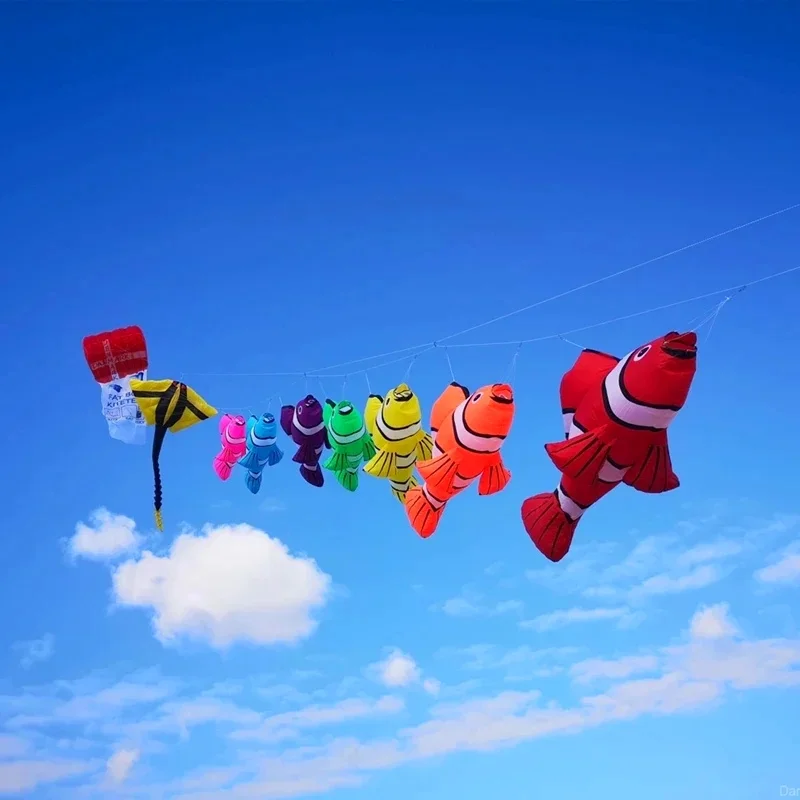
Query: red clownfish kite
x,y
616,413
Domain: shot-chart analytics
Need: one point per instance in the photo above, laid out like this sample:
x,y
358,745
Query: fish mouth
x,y
346,409
268,418
403,396
502,393
680,345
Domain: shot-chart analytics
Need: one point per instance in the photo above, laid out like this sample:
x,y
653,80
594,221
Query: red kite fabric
x,y
116,354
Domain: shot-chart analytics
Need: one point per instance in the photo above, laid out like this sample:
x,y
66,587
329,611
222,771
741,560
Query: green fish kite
x,y
349,440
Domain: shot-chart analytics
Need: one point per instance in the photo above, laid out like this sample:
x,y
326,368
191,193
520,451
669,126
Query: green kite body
x,y
350,442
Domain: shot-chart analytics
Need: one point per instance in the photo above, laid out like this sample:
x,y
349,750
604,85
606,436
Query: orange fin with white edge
x,y
449,400
581,457
439,474
653,474
494,478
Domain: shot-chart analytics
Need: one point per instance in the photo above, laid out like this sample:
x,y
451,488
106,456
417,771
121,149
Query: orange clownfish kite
x,y
468,431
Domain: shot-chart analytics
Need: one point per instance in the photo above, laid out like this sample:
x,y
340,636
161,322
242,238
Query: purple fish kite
x,y
304,426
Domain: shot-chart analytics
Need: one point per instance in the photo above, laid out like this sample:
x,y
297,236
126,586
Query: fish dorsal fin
x,y
287,417
449,400
589,369
371,411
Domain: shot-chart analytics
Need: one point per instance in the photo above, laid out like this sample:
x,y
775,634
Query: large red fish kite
x,y
616,413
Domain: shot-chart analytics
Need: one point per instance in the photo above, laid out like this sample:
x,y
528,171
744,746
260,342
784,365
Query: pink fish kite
x,y
233,436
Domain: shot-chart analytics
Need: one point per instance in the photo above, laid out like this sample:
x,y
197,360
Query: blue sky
x,y
271,188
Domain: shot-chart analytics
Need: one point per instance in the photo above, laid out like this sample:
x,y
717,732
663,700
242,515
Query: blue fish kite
x,y
261,449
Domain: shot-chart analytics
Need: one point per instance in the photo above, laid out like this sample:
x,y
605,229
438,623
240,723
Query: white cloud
x,y
599,668
120,764
287,725
470,603
231,583
108,536
785,570
677,562
25,776
319,753
571,616
33,651
399,670
712,622
12,746
698,578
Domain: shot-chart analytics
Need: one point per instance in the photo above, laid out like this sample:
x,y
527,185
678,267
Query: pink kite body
x,y
232,434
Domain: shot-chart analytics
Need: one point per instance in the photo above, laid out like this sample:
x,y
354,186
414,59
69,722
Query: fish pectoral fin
x,y
249,460
494,478
337,462
653,473
275,456
368,448
581,457
439,474
381,465
424,448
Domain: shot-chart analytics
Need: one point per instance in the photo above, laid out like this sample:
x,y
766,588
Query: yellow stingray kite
x,y
169,406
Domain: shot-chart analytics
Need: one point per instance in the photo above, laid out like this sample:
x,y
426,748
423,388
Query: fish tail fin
x,y
581,457
381,465
349,480
422,514
550,529
253,481
313,475
400,489
222,467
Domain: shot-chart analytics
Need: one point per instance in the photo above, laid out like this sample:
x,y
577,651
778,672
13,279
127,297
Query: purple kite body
x,y
304,426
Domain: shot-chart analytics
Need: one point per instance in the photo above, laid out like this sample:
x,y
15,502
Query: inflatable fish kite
x,y
616,413
168,406
395,424
350,442
468,432
303,424
261,436
232,433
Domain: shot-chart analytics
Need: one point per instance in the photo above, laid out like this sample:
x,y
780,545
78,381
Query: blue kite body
x,y
262,449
